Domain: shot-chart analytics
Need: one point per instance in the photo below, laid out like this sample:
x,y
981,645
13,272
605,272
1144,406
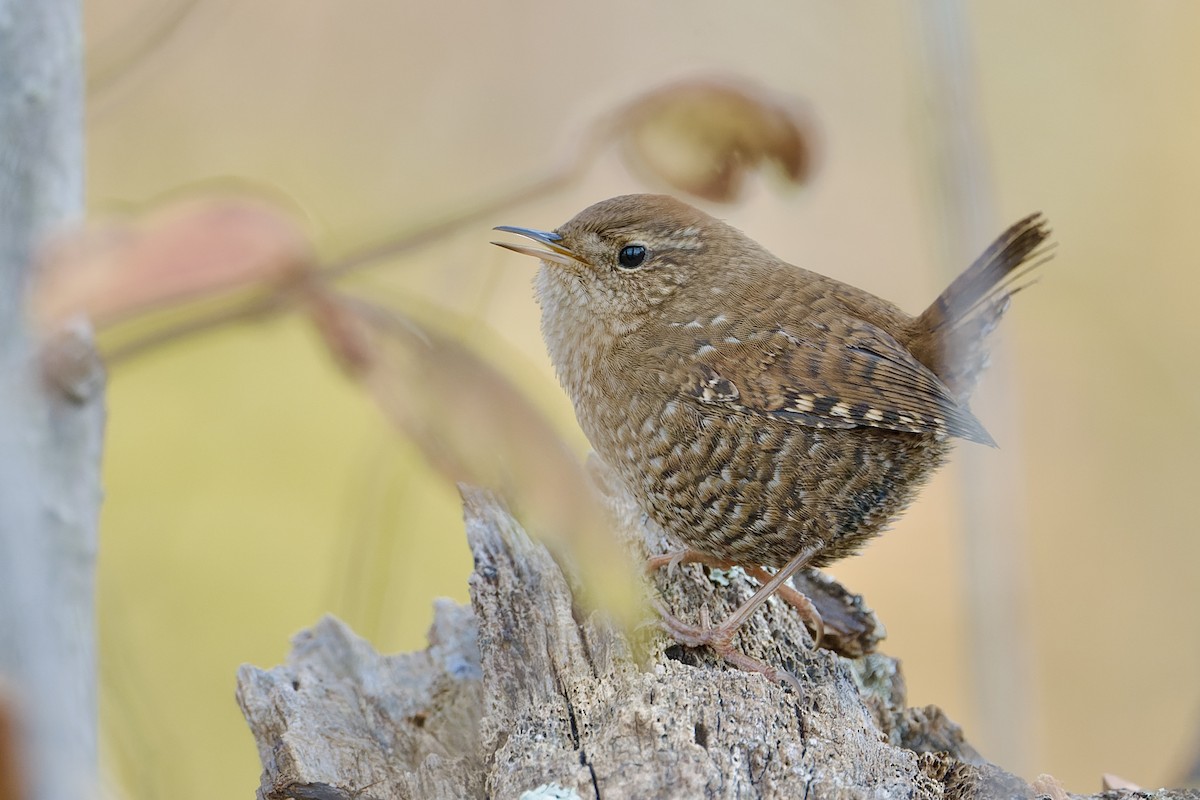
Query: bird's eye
x,y
632,256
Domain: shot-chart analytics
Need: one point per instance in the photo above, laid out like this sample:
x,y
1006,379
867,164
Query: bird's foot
x,y
804,607
673,559
719,638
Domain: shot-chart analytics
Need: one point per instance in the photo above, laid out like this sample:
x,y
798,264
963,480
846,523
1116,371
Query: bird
x,y
764,415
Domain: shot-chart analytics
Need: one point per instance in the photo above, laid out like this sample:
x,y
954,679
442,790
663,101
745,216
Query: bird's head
x,y
622,258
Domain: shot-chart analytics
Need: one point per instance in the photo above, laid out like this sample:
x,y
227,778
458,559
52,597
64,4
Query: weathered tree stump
x,y
521,695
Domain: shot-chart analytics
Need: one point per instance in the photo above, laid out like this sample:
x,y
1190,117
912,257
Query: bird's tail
x,y
950,334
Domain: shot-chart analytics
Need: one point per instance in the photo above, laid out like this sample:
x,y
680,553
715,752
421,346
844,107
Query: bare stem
x,y
279,300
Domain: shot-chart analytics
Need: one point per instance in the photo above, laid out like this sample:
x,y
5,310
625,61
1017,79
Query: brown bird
x,y
762,414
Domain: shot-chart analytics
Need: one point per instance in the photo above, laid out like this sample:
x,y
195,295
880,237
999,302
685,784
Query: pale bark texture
x,y
524,695
51,415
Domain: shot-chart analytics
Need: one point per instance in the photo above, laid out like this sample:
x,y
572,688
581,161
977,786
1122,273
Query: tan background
x,y
251,488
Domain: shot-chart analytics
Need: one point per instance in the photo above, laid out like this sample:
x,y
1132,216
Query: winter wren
x,y
762,414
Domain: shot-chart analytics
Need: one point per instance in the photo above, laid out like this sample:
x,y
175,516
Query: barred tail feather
x,y
988,278
951,333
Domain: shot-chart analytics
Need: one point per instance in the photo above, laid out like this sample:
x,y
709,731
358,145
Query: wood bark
x,y
524,695
51,417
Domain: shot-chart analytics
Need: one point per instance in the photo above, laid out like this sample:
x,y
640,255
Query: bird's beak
x,y
555,252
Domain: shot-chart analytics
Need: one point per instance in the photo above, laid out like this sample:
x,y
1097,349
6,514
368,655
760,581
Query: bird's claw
x,y
720,639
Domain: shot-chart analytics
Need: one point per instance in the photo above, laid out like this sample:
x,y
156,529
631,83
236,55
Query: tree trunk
x,y
51,415
522,695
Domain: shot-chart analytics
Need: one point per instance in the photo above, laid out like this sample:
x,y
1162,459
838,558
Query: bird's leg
x,y
797,600
722,645
804,607
720,637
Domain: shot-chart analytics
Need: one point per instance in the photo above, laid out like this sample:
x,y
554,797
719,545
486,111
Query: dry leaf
x,y
704,135
190,249
346,334
473,425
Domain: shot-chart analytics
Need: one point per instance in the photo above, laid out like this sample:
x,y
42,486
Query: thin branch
x,y
280,301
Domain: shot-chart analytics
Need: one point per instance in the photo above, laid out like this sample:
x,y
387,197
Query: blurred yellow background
x,y
252,488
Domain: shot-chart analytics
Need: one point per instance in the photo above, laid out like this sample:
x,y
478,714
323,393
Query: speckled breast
x,y
755,490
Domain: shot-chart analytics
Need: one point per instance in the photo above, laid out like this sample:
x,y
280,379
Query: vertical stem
x,y
1001,659
51,413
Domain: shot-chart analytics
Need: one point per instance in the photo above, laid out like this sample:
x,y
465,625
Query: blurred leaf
x,y
702,136
186,250
473,425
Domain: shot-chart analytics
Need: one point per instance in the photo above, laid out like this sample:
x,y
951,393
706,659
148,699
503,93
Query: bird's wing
x,y
838,373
